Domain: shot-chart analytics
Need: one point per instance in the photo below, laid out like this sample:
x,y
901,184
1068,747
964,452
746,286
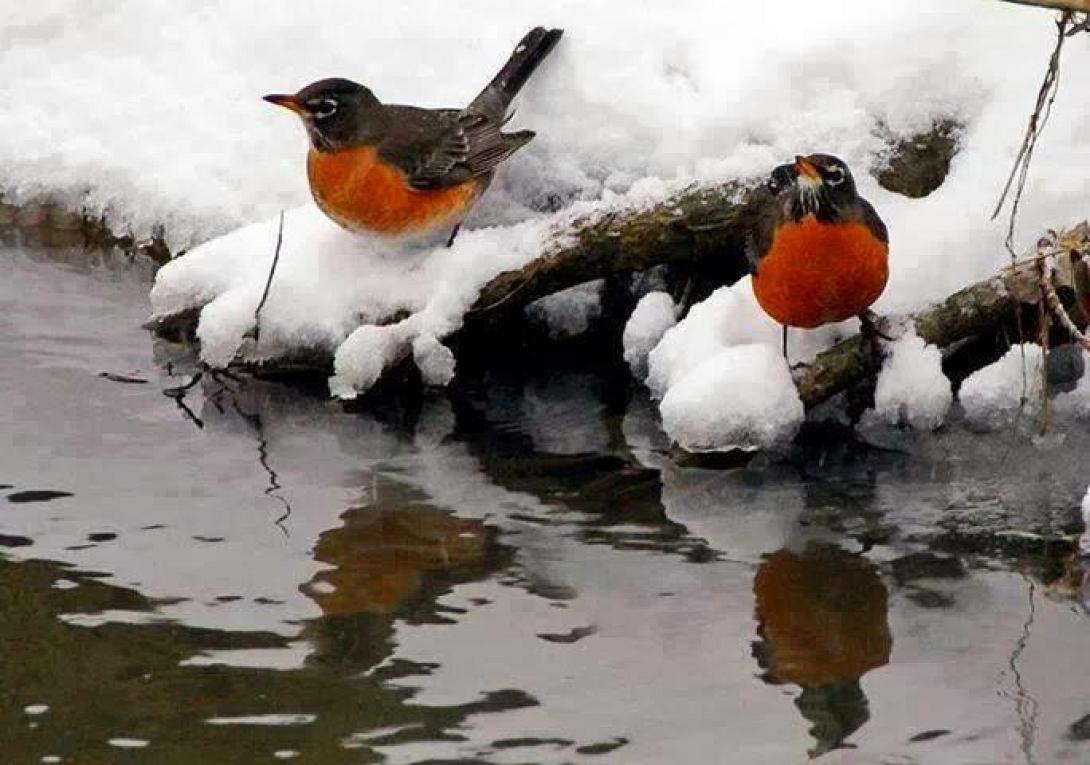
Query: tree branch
x,y
982,307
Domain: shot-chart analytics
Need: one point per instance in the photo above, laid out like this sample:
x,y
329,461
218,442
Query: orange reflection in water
x,y
381,555
822,624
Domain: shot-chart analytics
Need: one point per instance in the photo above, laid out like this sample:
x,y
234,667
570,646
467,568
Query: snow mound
x,y
992,396
707,401
743,397
330,286
911,388
730,316
652,316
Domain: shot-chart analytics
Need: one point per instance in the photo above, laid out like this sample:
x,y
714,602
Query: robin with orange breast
x,y
401,170
819,252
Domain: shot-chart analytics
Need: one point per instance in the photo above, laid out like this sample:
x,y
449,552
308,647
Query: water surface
x,y
516,572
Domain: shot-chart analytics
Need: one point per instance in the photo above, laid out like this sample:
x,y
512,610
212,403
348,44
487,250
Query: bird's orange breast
x,y
361,192
816,273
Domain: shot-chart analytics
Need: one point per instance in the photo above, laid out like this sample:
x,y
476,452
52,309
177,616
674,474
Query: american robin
x,y
818,251
402,170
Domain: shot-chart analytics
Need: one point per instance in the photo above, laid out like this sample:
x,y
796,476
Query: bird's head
x,y
823,184
337,113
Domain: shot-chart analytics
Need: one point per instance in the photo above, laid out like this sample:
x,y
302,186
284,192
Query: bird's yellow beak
x,y
807,169
287,101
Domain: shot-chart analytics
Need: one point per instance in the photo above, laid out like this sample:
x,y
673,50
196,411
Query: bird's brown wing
x,y
765,210
872,221
445,147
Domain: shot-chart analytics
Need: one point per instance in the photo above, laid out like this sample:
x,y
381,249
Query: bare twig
x,y
1042,110
268,282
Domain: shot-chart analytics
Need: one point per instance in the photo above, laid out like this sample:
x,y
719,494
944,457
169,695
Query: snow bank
x,y
993,396
149,112
741,398
911,388
154,113
329,282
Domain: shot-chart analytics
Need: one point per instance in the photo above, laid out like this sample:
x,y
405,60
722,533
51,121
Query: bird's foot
x,y
874,329
874,325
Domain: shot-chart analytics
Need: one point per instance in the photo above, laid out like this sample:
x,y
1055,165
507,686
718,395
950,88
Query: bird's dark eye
x,y
834,175
322,108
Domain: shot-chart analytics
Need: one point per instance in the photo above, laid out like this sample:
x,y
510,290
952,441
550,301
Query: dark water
x,y
515,573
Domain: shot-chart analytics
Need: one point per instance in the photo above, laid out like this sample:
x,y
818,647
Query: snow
x,y
743,397
911,388
328,283
730,317
1076,402
155,120
652,316
1084,541
569,312
993,396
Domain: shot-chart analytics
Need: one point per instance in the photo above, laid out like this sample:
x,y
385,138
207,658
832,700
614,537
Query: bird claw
x,y
873,325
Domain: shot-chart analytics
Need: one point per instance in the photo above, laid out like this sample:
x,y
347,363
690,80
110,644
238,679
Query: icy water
x,y
515,573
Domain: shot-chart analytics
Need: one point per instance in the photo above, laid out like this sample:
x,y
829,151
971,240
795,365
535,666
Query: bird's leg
x,y
454,233
793,367
872,324
871,329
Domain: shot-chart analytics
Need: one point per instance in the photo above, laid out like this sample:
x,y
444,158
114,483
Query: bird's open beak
x,y
807,169
287,101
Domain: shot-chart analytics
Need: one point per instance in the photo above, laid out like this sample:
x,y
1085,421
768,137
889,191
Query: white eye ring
x,y
835,176
324,108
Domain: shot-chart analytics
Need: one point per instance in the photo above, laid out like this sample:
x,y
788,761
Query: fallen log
x,y
701,233
703,230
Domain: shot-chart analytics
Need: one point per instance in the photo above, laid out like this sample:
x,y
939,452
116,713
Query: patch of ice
x,y
651,318
992,396
911,388
740,398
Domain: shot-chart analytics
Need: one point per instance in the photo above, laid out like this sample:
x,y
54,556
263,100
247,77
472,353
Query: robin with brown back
x,y
405,171
818,251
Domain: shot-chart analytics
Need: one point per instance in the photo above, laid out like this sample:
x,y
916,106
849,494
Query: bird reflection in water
x,y
822,624
396,547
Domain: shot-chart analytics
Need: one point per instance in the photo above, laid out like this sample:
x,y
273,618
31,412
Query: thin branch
x,y
1042,110
268,282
